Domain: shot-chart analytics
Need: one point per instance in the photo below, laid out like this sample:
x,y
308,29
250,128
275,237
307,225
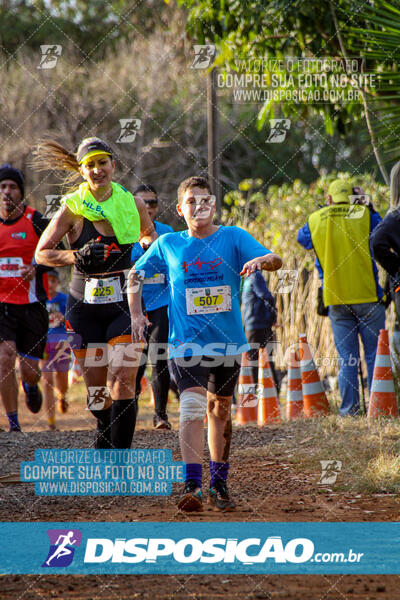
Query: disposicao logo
x,y
62,547
19,235
189,550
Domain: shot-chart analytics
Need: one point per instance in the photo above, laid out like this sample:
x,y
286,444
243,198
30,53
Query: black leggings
x,y
157,333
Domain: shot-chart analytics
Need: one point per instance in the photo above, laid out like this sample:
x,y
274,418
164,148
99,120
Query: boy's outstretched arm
x,y
269,262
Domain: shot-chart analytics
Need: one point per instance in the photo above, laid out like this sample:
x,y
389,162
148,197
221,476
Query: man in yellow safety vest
x,y
339,234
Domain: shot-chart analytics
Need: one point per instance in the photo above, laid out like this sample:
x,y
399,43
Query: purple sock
x,y
13,421
218,470
193,471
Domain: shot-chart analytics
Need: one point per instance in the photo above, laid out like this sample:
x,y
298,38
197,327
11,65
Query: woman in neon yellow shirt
x,y
102,221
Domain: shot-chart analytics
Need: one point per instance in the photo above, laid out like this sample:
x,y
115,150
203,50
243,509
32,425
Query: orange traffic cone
x,y
382,401
144,384
246,411
151,401
294,395
314,397
146,387
269,410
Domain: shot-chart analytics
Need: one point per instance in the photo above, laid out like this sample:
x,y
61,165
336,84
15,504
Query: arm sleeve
x,y
304,237
152,261
247,247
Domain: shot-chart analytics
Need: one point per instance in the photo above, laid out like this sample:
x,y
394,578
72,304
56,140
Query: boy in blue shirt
x,y
155,297
203,266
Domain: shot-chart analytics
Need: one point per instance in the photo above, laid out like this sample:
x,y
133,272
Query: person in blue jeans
x,y
155,297
339,234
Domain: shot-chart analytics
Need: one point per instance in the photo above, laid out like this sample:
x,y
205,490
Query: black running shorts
x,y
97,324
218,375
26,325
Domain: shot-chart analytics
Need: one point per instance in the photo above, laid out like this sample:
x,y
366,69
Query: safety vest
x,y
340,236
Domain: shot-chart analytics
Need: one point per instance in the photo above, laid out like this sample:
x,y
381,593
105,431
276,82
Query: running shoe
x,y
219,498
33,397
191,497
161,422
63,405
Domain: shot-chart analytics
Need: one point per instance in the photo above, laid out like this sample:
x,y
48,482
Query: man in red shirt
x,y
23,314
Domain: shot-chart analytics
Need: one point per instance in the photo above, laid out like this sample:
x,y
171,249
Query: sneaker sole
x,y
190,503
34,408
161,426
227,508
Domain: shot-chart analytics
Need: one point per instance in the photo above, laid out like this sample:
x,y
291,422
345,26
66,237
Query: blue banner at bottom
x,y
200,548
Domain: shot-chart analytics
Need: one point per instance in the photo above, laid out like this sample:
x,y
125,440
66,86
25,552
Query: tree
x,y
275,29
379,41
87,28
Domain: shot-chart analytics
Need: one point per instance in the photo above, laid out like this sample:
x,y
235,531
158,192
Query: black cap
x,y
90,145
8,172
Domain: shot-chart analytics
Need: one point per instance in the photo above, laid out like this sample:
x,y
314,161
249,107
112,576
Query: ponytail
x,y
49,155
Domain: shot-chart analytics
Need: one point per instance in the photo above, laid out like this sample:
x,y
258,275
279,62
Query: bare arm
x,y
46,253
269,262
147,232
138,320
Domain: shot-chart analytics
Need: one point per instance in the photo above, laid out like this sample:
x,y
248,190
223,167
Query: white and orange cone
x,y
269,410
314,397
382,401
246,411
294,395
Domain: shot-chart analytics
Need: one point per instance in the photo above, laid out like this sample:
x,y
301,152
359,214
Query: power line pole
x,y
212,135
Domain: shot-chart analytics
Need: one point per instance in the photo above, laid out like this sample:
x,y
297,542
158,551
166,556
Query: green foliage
x,y
273,215
276,29
379,42
273,26
88,28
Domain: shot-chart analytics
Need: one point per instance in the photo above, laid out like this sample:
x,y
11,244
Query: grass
x,y
368,450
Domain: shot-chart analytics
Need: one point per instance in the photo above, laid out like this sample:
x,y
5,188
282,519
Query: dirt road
x,y
267,488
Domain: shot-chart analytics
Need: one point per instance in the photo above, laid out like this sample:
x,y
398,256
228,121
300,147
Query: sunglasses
x,y
152,203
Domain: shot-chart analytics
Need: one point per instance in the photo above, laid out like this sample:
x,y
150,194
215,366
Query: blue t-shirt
x,y
155,295
57,304
204,286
